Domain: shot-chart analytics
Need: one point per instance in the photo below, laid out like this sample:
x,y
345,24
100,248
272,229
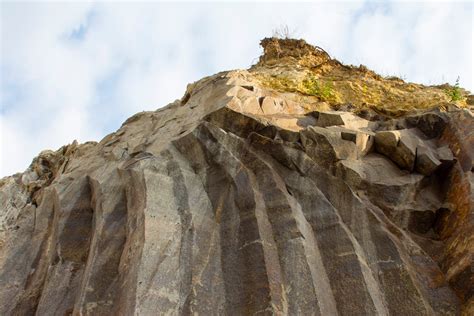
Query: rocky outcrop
x,y
240,199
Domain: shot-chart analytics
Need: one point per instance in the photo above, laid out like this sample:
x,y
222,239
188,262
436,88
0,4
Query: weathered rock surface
x,y
240,200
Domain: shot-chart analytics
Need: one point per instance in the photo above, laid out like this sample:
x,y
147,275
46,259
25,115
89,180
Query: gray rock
x,y
426,162
399,146
326,146
210,206
363,139
445,155
347,119
431,124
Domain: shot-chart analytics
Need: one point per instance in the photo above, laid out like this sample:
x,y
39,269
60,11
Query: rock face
x,y
240,199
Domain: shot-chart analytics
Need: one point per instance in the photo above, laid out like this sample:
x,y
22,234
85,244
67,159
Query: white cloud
x,y
429,43
76,71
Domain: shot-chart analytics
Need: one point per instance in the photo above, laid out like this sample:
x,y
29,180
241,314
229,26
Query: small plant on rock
x,y
282,32
454,93
323,90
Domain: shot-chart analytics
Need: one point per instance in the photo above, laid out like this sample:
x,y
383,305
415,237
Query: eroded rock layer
x,y
242,200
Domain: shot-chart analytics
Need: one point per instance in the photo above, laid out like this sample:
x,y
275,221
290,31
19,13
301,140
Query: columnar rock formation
x,y
286,189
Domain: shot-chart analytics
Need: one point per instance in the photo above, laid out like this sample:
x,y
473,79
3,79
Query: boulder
x,y
271,105
399,146
426,161
431,124
363,139
326,146
347,119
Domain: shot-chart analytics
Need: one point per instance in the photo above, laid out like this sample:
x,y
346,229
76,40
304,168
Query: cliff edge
x,y
301,186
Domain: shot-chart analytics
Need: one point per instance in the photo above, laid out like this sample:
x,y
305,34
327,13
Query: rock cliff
x,y
301,186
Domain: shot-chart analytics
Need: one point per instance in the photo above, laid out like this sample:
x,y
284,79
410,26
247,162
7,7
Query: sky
x,y
76,71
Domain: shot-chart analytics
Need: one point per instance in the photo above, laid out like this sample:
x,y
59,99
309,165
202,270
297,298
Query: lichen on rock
x,y
294,66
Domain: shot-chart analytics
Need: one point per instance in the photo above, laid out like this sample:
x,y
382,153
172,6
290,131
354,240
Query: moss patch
x,y
308,85
360,89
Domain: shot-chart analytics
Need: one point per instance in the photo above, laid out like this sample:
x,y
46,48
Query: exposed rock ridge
x,y
239,199
277,52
